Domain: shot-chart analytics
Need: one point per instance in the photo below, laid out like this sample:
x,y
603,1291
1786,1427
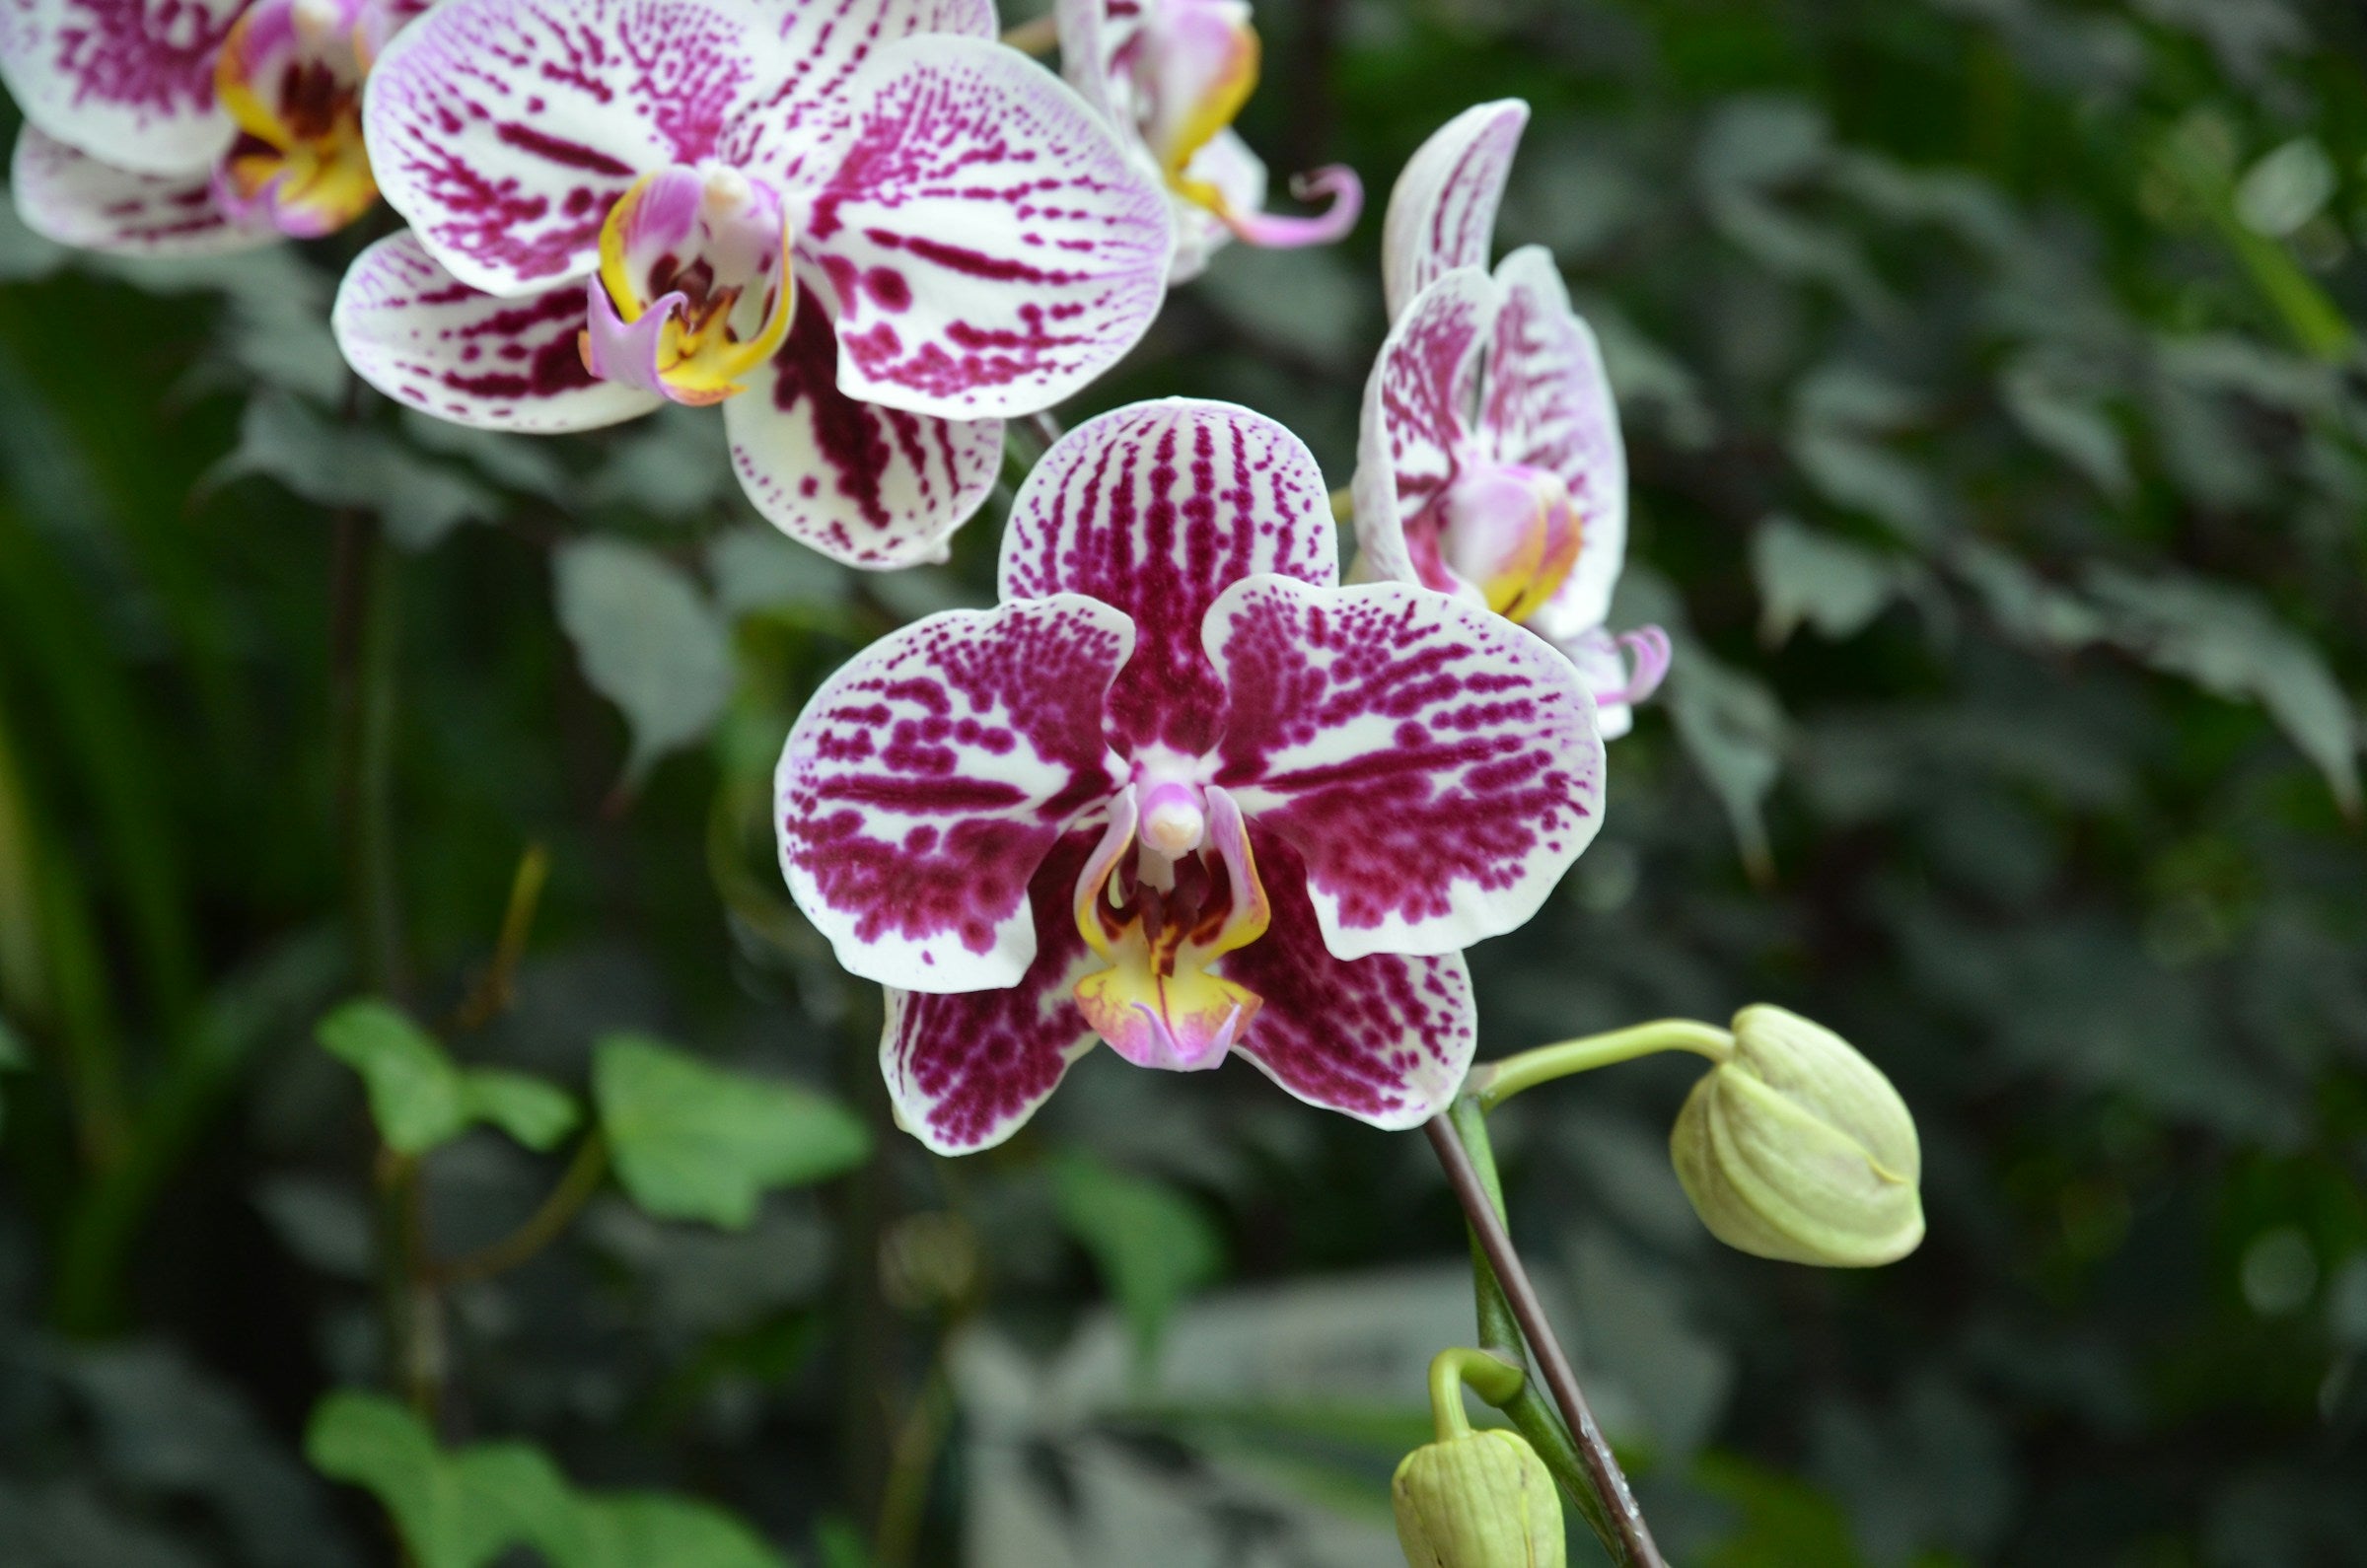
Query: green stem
x,y
366,700
1497,1082
576,1185
1500,1331
1490,1376
904,1498
494,990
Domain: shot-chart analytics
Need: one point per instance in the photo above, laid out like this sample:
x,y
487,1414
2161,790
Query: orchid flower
x,y
194,127
1490,464
862,225
1182,792
1171,75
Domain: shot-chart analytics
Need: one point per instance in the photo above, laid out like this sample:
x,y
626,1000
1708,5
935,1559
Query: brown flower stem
x,y
580,1180
1631,1538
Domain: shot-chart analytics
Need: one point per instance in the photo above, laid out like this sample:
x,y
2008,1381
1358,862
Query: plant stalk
x,y
1631,1539
1497,1082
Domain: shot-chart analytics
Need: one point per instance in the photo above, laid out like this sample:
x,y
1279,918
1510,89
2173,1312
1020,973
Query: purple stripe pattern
x,y
861,482
966,241
1490,464
1206,801
75,199
433,343
129,82
1442,211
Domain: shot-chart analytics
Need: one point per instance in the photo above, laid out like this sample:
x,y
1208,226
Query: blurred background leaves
x,y
1999,444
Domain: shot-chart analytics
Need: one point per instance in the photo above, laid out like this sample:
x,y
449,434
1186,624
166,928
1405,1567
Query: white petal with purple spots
x,y
1384,1038
130,82
426,339
1436,766
870,486
505,129
1419,406
1442,213
965,1070
1549,403
75,199
990,245
1157,509
925,782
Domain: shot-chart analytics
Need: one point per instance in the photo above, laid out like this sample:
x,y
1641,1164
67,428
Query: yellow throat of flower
x,y
701,354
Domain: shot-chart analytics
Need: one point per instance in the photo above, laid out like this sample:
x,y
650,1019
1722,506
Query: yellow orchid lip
x,y
683,255
290,77
1160,921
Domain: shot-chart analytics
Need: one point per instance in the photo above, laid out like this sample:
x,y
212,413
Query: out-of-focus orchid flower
x,y
1171,75
1489,464
194,127
862,225
1183,793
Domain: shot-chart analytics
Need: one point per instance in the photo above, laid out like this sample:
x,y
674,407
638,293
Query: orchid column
x,y
866,230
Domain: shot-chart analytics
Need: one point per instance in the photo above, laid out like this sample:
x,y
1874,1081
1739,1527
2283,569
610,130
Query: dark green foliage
x,y
2000,436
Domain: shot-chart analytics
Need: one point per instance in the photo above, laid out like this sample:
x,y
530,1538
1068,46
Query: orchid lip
x,y
1511,531
289,74
694,289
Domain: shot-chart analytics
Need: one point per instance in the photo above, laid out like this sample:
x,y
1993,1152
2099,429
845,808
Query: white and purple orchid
x,y
865,229
1171,75
1489,464
1183,793
191,127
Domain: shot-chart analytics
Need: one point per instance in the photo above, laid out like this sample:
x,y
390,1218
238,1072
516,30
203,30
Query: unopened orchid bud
x,y
1798,1148
1482,1499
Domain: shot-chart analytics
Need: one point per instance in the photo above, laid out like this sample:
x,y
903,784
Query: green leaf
x,y
1152,1245
650,642
353,465
421,1098
2226,642
641,1530
536,1113
1733,730
414,1090
460,1510
1817,579
694,1142
2059,417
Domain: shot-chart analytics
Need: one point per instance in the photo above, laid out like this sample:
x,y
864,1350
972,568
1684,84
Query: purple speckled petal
x,y
1549,403
1385,1038
794,128
1157,508
1435,765
424,338
926,781
1443,211
75,199
990,246
870,486
505,129
129,82
1417,421
967,1070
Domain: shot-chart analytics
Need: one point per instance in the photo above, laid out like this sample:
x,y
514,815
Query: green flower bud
x,y
1479,1500
1797,1148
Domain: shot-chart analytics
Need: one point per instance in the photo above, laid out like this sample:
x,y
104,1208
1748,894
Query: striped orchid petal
x,y
1384,1038
925,783
965,1070
506,129
1270,807
1442,212
869,485
1435,766
129,83
1157,509
75,199
989,246
428,340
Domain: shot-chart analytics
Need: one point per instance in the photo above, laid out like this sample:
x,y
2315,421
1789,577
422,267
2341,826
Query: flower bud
x,y
1479,1500
1797,1148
